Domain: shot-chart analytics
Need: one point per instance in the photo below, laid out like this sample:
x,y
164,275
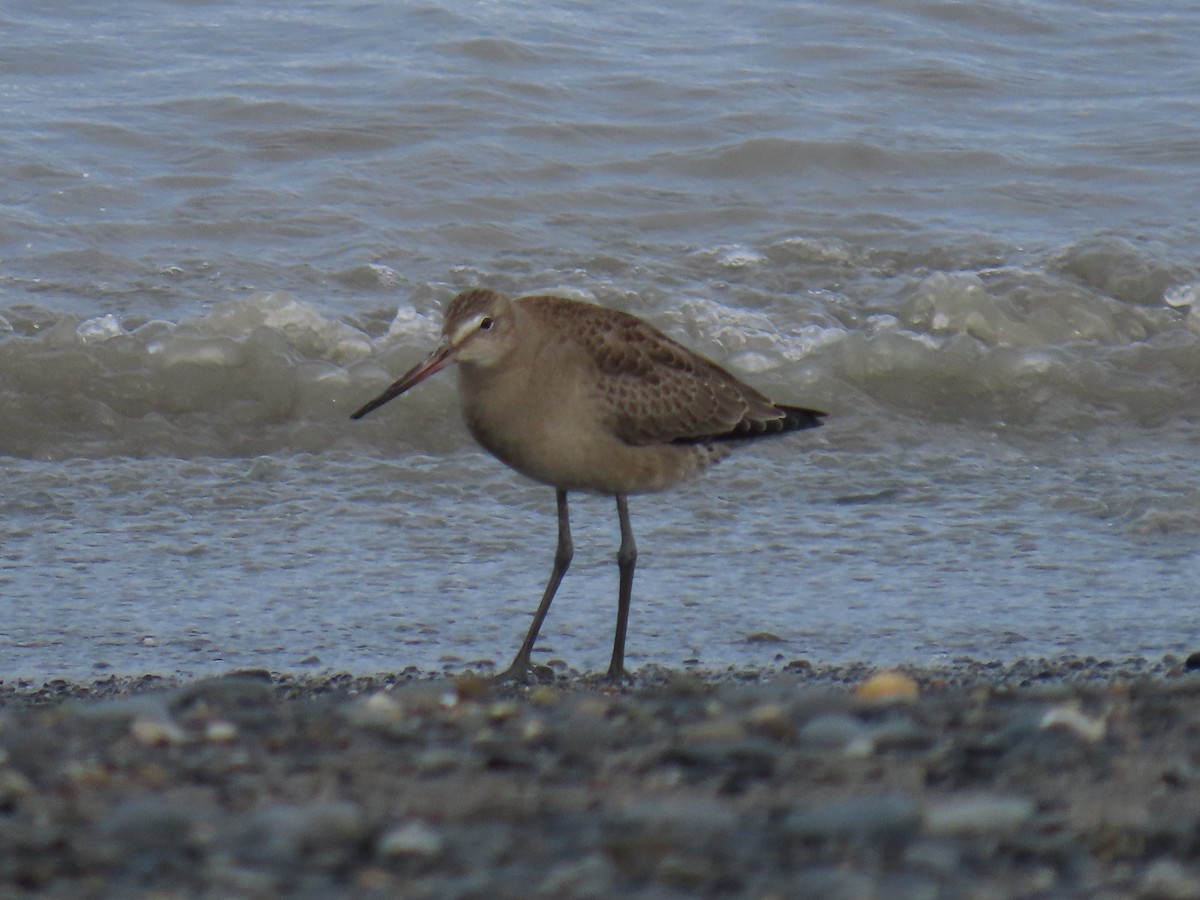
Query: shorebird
x,y
585,398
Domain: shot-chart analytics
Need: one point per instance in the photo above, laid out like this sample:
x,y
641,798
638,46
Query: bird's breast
x,y
554,430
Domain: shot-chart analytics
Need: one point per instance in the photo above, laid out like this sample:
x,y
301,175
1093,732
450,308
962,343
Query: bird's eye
x,y
486,323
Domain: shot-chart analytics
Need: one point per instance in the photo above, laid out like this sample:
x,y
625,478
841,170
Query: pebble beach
x,y
1068,777
968,231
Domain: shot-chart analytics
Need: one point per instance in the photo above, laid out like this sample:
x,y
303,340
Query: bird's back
x,y
652,389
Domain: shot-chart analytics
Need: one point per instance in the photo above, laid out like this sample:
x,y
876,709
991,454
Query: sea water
x,y
969,231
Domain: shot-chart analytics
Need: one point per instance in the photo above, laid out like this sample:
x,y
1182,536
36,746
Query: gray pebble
x,y
936,856
900,733
687,821
415,838
837,733
835,884
147,837
588,877
886,818
226,692
1167,879
324,835
976,814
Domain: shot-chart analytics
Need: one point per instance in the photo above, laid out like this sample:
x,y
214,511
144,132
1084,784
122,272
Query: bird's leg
x,y
626,560
522,664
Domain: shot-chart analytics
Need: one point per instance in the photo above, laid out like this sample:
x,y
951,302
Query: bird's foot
x,y
618,675
523,671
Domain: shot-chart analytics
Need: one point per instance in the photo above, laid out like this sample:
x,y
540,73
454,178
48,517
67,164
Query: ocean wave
x,y
1069,347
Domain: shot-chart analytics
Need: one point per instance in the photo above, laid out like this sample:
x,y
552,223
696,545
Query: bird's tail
x,y
796,418
790,418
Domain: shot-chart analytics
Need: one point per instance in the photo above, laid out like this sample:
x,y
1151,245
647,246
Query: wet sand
x,y
1044,778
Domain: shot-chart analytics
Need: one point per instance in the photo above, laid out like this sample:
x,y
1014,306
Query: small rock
x,y
1050,749
323,835
544,696
502,710
886,817
763,637
838,732
117,715
533,729
584,737
772,720
939,857
472,687
900,732
381,706
443,760
888,687
588,877
220,731
691,822
157,732
1180,772
976,815
33,753
146,837
1167,879
13,786
90,774
723,729
835,884
247,689
384,713
415,838
1089,728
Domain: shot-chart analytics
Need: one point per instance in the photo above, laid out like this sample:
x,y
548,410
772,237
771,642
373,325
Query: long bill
x,y
431,365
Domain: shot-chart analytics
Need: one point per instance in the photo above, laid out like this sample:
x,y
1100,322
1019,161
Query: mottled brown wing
x,y
655,389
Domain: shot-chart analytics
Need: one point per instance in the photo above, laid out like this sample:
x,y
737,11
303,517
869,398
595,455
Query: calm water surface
x,y
968,230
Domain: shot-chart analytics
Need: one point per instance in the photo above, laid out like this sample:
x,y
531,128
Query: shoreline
x,y
1067,777
959,672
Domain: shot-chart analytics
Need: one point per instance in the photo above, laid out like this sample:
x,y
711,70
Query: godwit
x,y
585,398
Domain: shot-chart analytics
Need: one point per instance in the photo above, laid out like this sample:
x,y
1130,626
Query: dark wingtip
x,y
793,418
796,418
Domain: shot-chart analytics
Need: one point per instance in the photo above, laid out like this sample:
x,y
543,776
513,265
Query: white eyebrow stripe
x,y
463,331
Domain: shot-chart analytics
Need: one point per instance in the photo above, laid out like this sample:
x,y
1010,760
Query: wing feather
x,y
654,390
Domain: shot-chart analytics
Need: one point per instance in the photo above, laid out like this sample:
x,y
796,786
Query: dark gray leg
x,y
522,664
626,560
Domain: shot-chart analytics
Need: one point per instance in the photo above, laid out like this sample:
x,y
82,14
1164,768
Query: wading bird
x,y
585,398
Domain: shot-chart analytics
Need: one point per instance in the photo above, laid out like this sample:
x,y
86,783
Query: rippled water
x,y
967,230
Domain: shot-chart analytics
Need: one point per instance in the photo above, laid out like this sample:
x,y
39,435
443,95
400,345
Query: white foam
x,y
818,251
301,324
753,361
1030,313
731,256
1183,295
387,276
100,329
408,323
211,352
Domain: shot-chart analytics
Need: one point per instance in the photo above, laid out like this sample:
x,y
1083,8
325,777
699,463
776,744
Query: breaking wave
x,y
1099,335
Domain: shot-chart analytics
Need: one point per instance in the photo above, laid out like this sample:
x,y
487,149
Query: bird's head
x,y
477,331
478,328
